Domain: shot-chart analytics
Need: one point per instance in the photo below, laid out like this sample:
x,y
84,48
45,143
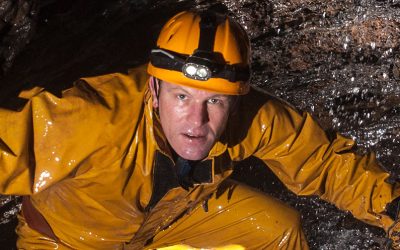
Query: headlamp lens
x,y
202,72
196,71
191,70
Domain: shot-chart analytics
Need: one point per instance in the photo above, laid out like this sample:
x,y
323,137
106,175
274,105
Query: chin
x,y
193,156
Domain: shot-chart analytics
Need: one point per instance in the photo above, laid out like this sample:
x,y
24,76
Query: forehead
x,y
170,87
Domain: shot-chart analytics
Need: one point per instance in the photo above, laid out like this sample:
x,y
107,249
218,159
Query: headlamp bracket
x,y
199,66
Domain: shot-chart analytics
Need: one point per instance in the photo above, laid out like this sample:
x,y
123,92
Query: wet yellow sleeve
x,y
309,163
47,139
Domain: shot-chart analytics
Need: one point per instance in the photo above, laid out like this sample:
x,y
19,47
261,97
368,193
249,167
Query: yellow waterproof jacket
x,y
87,160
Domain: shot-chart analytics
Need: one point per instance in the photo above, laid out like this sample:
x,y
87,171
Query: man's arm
x,y
15,154
308,162
49,137
45,140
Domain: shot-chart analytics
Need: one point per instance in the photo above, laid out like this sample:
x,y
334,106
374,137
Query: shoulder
x,y
104,90
113,87
259,105
258,114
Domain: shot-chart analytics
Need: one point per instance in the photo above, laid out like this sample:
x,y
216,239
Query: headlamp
x,y
198,66
196,71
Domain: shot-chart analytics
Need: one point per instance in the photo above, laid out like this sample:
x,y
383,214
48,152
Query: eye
x,y
181,97
214,101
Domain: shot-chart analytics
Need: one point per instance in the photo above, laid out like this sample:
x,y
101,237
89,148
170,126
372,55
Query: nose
x,y
198,114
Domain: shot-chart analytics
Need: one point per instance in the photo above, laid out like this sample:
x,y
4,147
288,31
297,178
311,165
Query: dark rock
x,y
17,26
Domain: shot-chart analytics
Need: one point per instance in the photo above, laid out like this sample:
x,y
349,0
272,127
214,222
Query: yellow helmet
x,y
204,50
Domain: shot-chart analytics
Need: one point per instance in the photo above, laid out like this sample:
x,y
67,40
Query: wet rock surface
x,y
338,60
17,26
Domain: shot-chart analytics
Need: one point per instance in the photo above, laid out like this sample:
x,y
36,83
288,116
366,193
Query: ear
x,y
154,88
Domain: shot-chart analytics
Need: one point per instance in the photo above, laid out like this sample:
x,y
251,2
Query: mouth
x,y
194,137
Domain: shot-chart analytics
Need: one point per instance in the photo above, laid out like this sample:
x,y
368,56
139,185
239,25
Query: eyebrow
x,y
217,95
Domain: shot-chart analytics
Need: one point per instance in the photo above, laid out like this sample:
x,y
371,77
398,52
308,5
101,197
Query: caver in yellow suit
x,y
97,172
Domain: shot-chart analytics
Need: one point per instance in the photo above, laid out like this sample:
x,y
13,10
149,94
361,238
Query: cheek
x,y
170,115
218,122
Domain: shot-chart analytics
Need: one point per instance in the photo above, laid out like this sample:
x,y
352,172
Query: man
x,y
142,161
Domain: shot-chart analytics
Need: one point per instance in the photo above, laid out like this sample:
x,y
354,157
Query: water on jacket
x,y
337,59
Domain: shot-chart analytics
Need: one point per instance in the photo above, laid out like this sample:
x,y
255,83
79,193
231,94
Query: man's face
x,y
192,119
